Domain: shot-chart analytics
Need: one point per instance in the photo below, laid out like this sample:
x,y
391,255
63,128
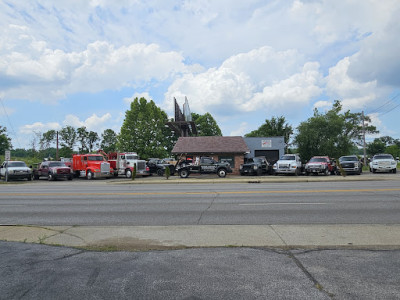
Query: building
x,y
272,148
231,149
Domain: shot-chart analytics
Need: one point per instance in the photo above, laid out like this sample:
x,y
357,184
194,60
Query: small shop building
x,y
272,148
231,149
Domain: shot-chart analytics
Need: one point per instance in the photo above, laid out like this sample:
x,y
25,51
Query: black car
x,y
255,166
158,166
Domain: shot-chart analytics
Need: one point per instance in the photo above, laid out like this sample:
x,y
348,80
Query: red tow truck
x,y
91,166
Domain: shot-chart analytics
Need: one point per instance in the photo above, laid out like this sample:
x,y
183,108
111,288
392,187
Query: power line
x,y
387,107
9,121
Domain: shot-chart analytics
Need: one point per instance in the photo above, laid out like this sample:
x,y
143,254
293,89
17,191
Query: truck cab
x,y
91,166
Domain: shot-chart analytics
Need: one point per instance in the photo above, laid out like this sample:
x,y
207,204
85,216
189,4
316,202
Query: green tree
x,y
206,125
82,136
109,140
334,133
277,126
92,140
47,139
377,146
143,130
68,137
5,141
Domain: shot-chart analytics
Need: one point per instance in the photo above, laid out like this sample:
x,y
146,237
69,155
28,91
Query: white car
x,y
15,170
288,164
383,163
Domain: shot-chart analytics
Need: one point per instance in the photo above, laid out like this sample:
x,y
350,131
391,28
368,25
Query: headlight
x,y
255,167
241,167
293,166
393,163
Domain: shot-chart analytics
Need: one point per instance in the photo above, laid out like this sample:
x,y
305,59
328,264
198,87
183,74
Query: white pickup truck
x,y
383,163
15,170
288,164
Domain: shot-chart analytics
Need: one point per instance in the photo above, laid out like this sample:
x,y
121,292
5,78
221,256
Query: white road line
x,y
283,203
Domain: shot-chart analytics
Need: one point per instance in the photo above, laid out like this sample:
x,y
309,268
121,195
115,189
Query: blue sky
x,y
80,63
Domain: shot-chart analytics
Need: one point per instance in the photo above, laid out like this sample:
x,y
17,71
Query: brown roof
x,y
210,144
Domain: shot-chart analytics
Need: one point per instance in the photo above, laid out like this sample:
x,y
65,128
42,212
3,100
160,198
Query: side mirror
x,y
127,162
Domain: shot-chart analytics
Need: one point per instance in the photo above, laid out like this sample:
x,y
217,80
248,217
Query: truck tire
x,y
160,172
394,170
326,173
221,172
50,177
29,177
89,175
373,170
70,177
184,173
128,173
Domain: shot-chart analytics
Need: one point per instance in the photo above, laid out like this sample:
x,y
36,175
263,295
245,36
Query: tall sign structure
x,y
183,124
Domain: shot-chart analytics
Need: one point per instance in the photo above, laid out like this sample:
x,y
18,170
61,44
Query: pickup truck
x,y
320,165
53,170
255,166
288,164
205,165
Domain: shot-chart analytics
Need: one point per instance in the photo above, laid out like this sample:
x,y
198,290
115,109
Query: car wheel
x,y
184,173
29,177
373,170
50,177
160,172
36,177
70,177
128,173
394,170
221,172
297,172
89,175
326,173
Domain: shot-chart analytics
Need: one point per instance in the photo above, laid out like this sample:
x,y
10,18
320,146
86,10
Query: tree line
x,y
334,133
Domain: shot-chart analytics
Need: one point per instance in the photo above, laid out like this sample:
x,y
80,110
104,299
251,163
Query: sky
x,y
81,62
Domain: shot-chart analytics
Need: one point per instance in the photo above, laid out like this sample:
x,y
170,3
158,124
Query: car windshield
x,y
57,164
318,159
348,158
288,157
257,159
388,156
131,157
16,164
95,158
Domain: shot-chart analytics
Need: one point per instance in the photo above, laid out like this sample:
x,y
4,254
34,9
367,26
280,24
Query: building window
x,y
228,159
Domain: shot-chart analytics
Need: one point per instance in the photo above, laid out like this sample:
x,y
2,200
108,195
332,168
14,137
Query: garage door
x,y
271,155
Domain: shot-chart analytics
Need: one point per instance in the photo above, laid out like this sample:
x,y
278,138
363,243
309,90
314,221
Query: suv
x,y
255,166
288,164
158,166
350,164
15,170
320,164
53,170
383,163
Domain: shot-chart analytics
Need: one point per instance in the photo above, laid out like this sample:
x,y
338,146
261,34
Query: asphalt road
x,y
82,202
44,272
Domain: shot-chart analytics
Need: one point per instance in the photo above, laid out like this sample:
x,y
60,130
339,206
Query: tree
x,y
377,146
334,133
108,140
82,135
143,130
92,140
5,141
47,139
277,126
206,125
68,137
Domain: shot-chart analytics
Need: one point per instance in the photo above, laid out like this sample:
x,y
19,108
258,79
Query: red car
x,y
53,170
320,165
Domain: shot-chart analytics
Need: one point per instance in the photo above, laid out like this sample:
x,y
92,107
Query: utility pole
x,y
57,148
364,147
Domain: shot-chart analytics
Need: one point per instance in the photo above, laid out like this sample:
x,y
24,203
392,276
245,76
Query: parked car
x,y
288,164
320,165
15,170
53,170
158,166
383,163
350,164
255,166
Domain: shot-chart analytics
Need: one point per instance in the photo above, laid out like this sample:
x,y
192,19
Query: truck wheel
x,y
89,175
184,173
326,173
70,177
36,176
221,173
373,170
29,177
394,170
297,172
50,177
160,172
128,173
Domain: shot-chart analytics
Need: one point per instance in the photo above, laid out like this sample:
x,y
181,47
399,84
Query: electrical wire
x,y
385,108
9,121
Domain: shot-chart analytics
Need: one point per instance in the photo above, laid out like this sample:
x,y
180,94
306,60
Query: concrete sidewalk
x,y
176,237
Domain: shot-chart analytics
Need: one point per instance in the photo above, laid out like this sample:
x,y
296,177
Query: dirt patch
x,y
129,244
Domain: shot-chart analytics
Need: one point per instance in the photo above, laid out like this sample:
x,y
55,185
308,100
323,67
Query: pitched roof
x,y
210,144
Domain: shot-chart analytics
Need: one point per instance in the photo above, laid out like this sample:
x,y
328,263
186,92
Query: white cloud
x,y
322,104
92,123
241,130
260,79
145,95
39,127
